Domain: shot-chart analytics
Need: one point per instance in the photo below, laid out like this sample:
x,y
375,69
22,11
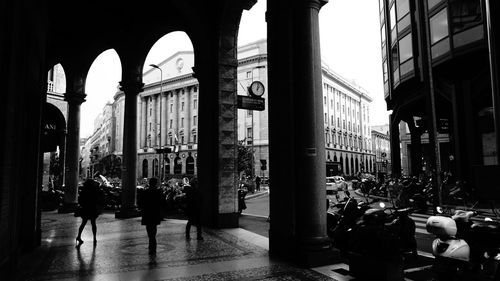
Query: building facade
x,y
440,78
167,144
382,149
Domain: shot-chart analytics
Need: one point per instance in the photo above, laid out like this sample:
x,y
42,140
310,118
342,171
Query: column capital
x,y
131,87
317,4
78,98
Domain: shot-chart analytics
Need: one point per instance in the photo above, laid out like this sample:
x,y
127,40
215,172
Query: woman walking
x,y
91,200
151,211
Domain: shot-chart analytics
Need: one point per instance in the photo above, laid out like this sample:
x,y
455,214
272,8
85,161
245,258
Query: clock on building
x,y
257,88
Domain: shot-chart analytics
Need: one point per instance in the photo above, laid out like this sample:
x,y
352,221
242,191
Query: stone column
x,y
74,100
309,140
144,121
164,119
154,122
62,159
296,128
129,170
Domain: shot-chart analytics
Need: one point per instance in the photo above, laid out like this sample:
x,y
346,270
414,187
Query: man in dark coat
x,y
151,211
193,202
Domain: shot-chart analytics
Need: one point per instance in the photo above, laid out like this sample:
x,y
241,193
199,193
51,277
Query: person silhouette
x,y
151,211
91,200
193,202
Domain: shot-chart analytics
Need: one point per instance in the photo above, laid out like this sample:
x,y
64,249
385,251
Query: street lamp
x,y
161,113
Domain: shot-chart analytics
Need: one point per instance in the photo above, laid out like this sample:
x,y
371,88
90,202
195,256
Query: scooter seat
x,y
487,233
490,227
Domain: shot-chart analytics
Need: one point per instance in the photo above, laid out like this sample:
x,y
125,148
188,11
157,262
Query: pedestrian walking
x,y
91,200
257,183
151,211
193,208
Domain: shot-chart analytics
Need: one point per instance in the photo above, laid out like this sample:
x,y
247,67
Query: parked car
x,y
335,184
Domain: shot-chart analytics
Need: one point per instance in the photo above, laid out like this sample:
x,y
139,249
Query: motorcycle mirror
x,y
439,209
487,219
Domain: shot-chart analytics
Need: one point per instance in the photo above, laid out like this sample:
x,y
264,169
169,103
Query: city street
x,y
254,219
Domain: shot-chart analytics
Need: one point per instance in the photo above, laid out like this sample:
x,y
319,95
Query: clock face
x,y
257,88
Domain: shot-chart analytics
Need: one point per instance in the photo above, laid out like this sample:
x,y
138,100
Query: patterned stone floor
x,y
122,254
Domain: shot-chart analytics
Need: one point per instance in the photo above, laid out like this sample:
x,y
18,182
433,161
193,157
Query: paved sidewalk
x,y
121,253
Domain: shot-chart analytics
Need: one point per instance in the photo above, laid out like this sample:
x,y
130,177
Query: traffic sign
x,y
251,103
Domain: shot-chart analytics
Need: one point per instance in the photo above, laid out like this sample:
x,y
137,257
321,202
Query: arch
x,y
54,128
334,157
190,165
178,57
155,168
56,81
177,165
145,168
347,170
357,164
102,79
352,165
342,167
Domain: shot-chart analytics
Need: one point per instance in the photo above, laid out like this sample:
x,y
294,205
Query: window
x,y
171,108
392,19
195,104
195,119
343,124
150,99
332,121
439,26
150,126
171,122
182,122
250,133
405,48
464,14
324,100
432,3
249,74
194,138
150,111
403,8
338,122
182,140
182,106
249,112
326,118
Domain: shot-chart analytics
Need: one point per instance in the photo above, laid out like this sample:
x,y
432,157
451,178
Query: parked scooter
x,y
339,223
379,241
465,250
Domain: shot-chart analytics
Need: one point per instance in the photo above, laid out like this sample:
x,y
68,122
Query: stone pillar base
x,y
228,220
128,213
67,208
317,255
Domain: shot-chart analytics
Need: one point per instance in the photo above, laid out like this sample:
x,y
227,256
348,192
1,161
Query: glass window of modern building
x,y
439,26
439,33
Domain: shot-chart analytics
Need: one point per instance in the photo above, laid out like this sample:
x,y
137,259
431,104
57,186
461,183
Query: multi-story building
x,y
167,118
381,148
346,109
437,61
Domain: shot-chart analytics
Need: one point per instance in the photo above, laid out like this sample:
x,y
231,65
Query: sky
x,y
350,45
